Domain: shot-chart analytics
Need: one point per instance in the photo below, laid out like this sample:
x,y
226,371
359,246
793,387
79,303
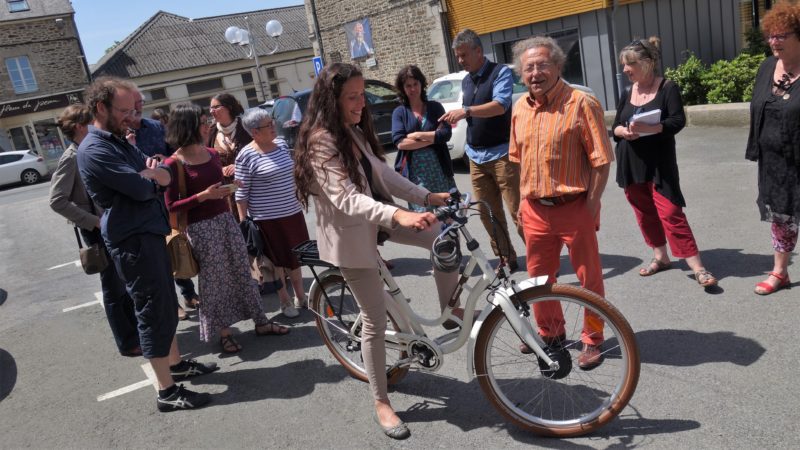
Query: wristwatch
x,y
467,110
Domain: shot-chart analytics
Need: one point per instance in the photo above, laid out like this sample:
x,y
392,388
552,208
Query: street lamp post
x,y
241,37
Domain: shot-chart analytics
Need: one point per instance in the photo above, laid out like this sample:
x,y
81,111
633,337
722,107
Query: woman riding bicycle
x,y
341,165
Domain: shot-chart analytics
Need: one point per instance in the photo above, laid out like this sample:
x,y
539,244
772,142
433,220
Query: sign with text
x,y
33,105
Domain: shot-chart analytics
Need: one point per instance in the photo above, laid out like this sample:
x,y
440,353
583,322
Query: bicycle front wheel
x,y
335,317
571,401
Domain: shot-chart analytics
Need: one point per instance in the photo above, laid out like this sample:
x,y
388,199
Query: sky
x,y
102,22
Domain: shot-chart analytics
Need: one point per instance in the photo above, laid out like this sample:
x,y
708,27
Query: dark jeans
x,y
116,301
143,263
187,288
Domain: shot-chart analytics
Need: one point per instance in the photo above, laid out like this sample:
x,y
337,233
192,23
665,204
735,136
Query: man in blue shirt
x,y
128,186
487,90
149,136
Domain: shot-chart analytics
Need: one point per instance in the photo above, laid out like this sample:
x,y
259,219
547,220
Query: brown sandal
x,y
229,344
705,278
654,267
272,329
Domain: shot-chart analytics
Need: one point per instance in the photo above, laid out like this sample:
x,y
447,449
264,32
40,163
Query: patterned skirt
x,y
426,171
229,294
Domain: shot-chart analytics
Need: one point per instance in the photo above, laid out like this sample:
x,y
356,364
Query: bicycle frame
x,y
412,324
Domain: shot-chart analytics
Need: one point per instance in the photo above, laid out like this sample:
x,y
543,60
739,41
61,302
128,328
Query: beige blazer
x,y
68,196
348,219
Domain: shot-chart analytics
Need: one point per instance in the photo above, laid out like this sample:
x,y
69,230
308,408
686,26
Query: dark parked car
x,y
382,99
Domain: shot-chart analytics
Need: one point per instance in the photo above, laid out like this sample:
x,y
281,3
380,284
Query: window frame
x,y
22,86
14,6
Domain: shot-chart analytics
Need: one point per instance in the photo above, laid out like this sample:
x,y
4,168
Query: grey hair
x,y
253,117
557,55
468,37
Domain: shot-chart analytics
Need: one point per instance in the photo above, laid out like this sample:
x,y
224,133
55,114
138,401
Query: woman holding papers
x,y
648,118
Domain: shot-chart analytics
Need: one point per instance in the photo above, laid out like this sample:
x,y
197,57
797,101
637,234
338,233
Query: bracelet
x,y
426,202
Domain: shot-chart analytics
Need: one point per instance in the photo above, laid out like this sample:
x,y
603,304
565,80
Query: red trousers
x,y
547,229
660,220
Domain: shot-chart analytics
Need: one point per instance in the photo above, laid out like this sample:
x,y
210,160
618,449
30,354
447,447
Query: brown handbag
x,y
93,257
184,265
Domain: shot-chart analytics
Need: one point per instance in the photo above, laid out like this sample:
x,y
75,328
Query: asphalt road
x,y
717,372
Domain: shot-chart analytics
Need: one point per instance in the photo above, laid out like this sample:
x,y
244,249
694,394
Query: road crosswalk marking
x,y
98,300
150,381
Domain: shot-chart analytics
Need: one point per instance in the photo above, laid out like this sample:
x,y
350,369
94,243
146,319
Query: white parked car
x,y
447,91
21,166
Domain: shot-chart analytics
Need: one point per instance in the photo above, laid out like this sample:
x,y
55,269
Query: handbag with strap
x,y
93,258
184,265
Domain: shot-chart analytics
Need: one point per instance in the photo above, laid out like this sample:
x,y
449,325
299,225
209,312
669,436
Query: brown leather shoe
x,y
548,340
591,356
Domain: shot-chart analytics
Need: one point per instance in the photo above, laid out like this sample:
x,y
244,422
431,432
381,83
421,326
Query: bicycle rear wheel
x,y
572,401
335,318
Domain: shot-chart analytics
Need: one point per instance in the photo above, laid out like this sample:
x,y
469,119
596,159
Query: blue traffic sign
x,y
317,65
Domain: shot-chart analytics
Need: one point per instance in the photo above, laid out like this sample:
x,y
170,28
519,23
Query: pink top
x,y
198,178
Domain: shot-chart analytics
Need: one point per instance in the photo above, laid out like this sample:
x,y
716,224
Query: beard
x,y
114,127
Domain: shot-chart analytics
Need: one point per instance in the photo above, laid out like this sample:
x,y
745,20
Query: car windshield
x,y
445,91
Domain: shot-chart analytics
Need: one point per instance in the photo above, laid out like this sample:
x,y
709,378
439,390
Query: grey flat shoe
x,y
399,432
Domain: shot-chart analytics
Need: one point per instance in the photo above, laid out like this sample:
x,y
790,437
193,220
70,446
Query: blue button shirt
x,y
109,167
502,89
151,138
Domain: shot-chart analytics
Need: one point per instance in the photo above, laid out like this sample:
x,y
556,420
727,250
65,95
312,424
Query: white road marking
x,y
98,300
82,305
150,381
76,263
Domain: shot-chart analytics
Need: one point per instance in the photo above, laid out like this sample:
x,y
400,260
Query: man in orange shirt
x,y
559,138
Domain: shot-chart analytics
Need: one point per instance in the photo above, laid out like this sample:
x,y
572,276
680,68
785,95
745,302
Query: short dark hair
x,y
183,127
72,116
410,71
467,37
160,115
103,90
230,102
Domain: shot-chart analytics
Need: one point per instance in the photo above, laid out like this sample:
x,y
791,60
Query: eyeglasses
x,y
639,43
215,107
541,67
269,125
125,112
208,121
779,37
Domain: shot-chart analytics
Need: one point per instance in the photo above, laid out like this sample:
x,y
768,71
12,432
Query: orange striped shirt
x,y
558,142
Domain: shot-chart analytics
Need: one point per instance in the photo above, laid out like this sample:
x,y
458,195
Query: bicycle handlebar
x,y
454,206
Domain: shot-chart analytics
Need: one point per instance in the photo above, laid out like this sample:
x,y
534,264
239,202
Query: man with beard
x,y
128,186
149,136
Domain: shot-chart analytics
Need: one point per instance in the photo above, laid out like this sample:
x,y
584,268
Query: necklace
x,y
783,85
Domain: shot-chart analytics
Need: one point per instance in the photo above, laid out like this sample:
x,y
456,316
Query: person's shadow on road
x,y
683,348
731,262
8,374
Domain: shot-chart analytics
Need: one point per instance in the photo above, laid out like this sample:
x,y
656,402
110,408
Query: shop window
x,y
214,84
19,139
17,5
51,147
568,40
19,70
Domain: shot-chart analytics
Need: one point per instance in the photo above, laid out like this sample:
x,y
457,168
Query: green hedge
x,y
722,82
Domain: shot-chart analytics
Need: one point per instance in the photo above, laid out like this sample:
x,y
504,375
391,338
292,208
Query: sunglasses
x,y
638,43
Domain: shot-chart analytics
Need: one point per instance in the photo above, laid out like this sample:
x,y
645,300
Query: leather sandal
x,y
654,267
764,288
705,278
229,344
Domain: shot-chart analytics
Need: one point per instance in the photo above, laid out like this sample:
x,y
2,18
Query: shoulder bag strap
x,y
179,220
78,237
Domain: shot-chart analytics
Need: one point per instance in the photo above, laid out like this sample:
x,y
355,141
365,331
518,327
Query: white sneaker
x,y
289,311
301,304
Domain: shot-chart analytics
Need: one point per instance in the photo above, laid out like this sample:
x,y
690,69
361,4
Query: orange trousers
x,y
547,229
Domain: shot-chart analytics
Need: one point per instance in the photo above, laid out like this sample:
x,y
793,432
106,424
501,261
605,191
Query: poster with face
x,y
359,37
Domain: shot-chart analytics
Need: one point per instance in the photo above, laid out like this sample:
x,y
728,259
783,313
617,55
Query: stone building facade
x,y
403,32
42,70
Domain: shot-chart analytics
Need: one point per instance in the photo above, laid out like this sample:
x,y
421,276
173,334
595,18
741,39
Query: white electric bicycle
x,y
545,391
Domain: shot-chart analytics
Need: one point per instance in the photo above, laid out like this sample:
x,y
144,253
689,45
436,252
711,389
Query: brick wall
x,y
54,54
403,32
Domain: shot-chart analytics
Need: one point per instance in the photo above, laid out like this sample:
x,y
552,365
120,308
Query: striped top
x,y
267,183
558,142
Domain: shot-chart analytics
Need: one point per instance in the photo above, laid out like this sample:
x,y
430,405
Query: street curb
x,y
722,115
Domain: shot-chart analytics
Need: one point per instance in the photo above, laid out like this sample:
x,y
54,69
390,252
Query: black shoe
x,y
189,368
183,398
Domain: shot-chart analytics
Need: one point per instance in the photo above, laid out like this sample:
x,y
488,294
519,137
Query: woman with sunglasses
x,y
647,166
229,293
774,139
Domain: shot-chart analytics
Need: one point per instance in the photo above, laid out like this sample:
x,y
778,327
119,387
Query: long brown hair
x,y
323,114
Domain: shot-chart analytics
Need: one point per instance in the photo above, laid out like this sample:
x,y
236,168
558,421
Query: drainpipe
x,y
316,29
619,87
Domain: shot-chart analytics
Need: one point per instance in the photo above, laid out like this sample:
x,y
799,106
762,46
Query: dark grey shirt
x,y
109,167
